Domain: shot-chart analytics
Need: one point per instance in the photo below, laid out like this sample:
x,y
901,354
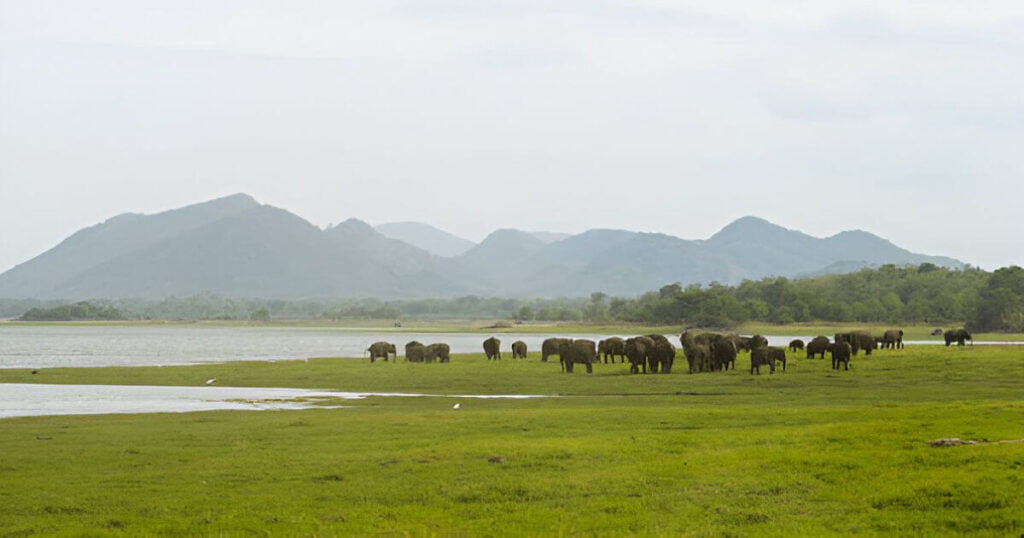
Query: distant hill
x,y
426,237
234,246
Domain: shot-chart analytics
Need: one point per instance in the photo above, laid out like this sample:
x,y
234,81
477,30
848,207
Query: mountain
x,y
235,246
426,237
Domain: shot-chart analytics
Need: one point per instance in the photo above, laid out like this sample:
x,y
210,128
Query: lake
x,y
49,346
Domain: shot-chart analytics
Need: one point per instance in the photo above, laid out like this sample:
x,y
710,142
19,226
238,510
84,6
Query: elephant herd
x,y
704,351
414,352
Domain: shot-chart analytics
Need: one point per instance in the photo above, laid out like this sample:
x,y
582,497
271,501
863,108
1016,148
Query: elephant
x,y
381,349
796,345
858,340
757,341
414,351
438,352
892,338
636,351
550,347
777,354
742,342
696,351
723,353
610,347
841,354
518,349
958,336
492,348
759,356
660,356
581,351
818,344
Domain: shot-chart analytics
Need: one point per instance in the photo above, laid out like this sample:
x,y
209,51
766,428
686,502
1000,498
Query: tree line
x,y
922,294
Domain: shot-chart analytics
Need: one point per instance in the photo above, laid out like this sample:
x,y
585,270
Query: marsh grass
x,y
806,452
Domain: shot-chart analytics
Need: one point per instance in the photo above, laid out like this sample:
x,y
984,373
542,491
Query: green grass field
x,y
807,452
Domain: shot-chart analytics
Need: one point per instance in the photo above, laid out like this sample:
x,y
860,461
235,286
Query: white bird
x,y
456,406
211,381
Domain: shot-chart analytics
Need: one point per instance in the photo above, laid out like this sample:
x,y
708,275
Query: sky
x,y
904,119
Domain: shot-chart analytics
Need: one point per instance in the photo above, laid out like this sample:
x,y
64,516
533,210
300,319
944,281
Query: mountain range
x,y
235,246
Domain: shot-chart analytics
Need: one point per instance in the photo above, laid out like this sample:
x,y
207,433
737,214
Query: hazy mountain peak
x,y
747,227
426,237
353,228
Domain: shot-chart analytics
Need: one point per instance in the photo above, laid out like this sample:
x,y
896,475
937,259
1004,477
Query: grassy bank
x,y
806,452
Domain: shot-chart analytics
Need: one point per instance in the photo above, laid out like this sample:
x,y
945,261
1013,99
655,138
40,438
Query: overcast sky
x,y
905,119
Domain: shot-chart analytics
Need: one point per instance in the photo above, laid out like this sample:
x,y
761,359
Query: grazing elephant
x,y
796,345
381,349
958,336
550,347
636,351
841,354
696,351
414,351
660,356
858,340
518,349
438,352
759,357
580,351
492,348
610,347
817,345
892,339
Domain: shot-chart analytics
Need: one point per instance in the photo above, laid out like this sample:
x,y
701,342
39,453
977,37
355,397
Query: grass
x,y
806,452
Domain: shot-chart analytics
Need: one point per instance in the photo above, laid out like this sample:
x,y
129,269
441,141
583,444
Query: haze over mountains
x,y
234,246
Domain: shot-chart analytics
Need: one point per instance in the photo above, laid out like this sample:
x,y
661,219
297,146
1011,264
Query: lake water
x,y
44,346
23,400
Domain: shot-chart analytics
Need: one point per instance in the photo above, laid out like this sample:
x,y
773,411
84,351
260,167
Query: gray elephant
x,y
776,355
759,356
518,349
492,348
660,356
858,340
696,351
892,339
957,335
381,350
841,354
636,351
610,347
414,351
580,351
817,345
723,353
550,347
439,352
796,345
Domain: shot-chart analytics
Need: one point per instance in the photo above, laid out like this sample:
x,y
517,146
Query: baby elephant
x,y
518,349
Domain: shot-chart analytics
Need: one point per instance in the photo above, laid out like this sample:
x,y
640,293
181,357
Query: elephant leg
x,y
633,369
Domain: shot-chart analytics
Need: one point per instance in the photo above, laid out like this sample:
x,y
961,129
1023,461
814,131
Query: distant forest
x,y
926,294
